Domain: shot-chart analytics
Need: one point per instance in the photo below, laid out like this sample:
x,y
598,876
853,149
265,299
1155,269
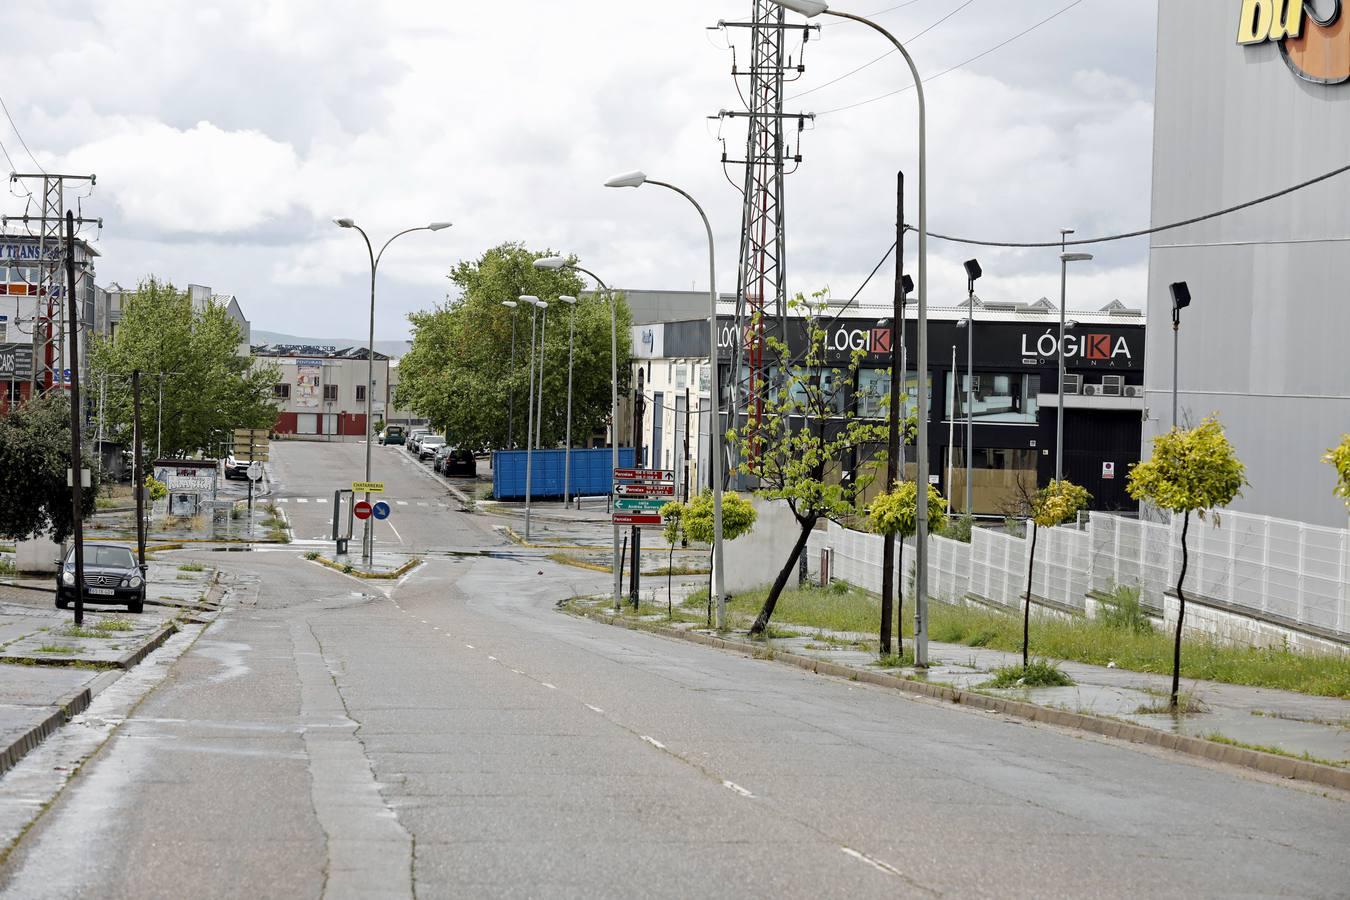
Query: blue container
x,y
592,473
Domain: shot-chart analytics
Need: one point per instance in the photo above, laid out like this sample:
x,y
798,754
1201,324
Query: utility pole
x,y
76,458
137,476
761,271
49,330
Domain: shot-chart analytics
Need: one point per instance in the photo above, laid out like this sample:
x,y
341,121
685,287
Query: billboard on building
x,y
308,383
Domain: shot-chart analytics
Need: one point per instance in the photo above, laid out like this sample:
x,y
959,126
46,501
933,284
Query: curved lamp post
x,y
567,451
810,9
637,179
367,547
1064,260
556,263
535,305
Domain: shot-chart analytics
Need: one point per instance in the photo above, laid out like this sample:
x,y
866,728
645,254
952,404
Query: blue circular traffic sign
x,y
381,510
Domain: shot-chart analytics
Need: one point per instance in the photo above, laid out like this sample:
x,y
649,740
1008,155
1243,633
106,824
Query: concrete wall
x,y
1263,344
753,560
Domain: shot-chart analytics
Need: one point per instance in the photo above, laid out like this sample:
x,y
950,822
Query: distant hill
x,y
389,348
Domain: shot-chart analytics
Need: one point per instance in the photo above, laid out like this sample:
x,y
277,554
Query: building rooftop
x,y
313,352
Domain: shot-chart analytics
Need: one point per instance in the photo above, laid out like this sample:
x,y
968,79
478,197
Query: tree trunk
x,y
1026,612
887,591
670,577
900,602
1181,610
762,620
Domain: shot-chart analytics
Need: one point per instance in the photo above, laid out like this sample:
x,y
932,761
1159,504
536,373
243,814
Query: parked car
x,y
438,458
428,445
111,575
392,434
235,467
415,438
457,462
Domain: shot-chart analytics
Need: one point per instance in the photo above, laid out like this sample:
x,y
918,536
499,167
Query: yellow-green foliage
x,y
695,519
1191,469
896,512
1338,458
1058,502
158,489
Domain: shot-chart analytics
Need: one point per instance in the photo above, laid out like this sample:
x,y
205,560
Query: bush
x,y
311,554
959,529
1123,610
1037,673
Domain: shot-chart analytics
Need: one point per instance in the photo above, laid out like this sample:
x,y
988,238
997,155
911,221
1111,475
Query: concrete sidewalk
x,y
50,671
1299,725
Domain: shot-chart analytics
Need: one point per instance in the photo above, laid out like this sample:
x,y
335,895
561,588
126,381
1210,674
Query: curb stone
x,y
1269,763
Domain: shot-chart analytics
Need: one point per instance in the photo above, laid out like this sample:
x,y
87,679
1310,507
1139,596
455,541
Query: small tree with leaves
x,y
1338,458
1056,503
896,513
797,448
34,465
693,521
1191,470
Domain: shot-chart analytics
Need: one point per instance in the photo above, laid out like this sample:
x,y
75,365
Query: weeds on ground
x,y
277,534
76,631
311,554
1218,738
1187,704
114,625
894,660
192,567
675,570
1038,673
56,648
1121,609
8,568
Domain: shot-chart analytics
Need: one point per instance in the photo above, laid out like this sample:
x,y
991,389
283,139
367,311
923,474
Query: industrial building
x,y
320,392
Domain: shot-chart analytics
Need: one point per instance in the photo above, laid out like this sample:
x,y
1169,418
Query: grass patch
x,y
1218,738
278,535
7,568
1121,609
567,559
1037,673
114,625
839,607
192,567
75,631
56,648
894,660
1187,705
675,570
311,554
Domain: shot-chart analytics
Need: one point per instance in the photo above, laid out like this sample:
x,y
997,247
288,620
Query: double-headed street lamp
x,y
367,547
535,306
1064,260
556,263
637,179
811,8
511,398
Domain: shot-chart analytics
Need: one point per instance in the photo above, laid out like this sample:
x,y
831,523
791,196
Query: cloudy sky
x,y
226,134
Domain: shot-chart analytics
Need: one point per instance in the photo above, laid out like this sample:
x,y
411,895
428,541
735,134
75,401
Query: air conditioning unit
x,y
1091,390
1134,390
1113,385
1073,384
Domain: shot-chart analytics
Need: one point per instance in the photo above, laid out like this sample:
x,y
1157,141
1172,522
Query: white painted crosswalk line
x,y
321,500
283,499
301,500
421,504
401,502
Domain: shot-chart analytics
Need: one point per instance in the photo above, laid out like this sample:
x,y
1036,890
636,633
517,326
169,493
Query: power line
x,y
884,55
20,137
1143,231
959,65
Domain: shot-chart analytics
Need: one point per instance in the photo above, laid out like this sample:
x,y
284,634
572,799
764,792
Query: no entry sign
x,y
361,510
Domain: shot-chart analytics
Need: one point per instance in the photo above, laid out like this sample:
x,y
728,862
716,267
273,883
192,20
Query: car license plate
x,y
102,592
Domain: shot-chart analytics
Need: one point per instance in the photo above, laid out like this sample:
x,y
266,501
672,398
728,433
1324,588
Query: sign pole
x,y
76,469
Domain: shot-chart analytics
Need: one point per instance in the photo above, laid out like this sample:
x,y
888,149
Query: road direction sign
x,y
644,490
380,510
640,504
255,471
361,510
636,519
644,474
368,487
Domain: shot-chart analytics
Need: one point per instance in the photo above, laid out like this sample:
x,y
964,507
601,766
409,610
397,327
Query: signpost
x,y
251,444
639,495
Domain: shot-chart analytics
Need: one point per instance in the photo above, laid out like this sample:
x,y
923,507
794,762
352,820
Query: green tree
x,y
1338,458
896,513
1056,503
1191,470
459,371
693,521
208,389
34,459
797,449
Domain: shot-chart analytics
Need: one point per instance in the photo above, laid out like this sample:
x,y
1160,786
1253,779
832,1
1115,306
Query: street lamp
x,y
812,8
715,439
567,450
1181,298
535,305
367,545
1064,260
511,398
973,273
556,263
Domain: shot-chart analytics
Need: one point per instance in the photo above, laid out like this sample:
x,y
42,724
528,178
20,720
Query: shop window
x,y
998,397
330,392
875,384
681,377
281,392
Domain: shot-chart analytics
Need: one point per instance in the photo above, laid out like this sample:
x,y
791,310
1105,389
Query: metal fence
x,y
1278,569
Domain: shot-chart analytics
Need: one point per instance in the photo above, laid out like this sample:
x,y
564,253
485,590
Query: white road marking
x,y
421,504
518,672
321,500
874,863
283,499
733,786
654,742
551,687
301,500
425,622
493,658
401,502
594,709
471,646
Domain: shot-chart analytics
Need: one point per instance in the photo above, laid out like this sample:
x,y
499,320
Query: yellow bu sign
x,y
1270,20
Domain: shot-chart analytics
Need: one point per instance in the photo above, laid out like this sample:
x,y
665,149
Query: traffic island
x,y
382,567
960,682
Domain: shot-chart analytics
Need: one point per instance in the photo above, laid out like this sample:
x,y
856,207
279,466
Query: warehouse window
x,y
281,392
330,392
997,397
360,392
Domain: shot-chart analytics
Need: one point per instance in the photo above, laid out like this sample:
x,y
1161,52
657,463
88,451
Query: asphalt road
x,y
454,735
